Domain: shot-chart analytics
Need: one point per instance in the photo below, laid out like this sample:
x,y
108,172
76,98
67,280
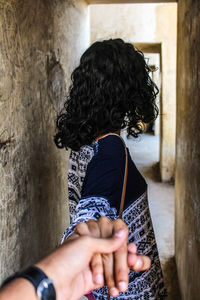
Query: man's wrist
x,y
44,286
19,288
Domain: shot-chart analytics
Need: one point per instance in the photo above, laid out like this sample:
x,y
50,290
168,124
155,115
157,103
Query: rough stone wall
x,y
147,23
187,228
40,43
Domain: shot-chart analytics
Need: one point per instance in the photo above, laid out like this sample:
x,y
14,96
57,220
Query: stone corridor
x,y
41,42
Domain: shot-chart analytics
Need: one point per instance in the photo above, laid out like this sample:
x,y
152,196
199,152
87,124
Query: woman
x,y
111,90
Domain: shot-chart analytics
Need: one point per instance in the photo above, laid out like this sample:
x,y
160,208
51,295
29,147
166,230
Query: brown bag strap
x,y
125,178
123,189
124,183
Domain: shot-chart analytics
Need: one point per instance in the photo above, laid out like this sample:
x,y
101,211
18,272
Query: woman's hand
x,y
113,268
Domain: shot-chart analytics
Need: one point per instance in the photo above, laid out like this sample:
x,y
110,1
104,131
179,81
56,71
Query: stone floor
x,y
145,153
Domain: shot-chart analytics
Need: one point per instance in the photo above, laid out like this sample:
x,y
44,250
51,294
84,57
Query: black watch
x,y
43,285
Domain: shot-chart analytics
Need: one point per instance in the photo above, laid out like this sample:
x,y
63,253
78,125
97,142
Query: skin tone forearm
x,y
18,289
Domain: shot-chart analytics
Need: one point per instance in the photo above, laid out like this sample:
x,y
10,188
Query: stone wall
x,y
187,228
40,43
147,23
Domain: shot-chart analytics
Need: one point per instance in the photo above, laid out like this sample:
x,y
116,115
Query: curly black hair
x,y
111,89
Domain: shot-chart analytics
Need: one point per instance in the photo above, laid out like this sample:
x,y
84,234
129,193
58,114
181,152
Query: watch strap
x,y
34,275
43,285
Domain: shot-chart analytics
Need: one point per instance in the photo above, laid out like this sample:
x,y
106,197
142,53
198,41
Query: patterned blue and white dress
x,y
95,181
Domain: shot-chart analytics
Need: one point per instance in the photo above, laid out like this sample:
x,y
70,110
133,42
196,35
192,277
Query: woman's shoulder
x,y
111,145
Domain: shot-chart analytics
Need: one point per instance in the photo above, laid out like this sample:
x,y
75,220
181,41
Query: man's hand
x,y
76,267
69,265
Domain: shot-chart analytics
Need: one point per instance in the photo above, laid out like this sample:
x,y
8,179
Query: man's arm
x,y
69,267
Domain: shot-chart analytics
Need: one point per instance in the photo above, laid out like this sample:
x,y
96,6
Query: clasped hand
x,y
112,269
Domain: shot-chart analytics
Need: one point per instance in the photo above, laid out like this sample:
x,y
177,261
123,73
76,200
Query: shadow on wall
x,y
171,279
56,85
